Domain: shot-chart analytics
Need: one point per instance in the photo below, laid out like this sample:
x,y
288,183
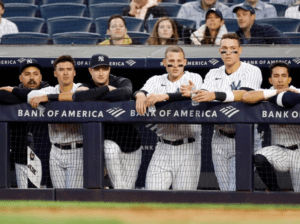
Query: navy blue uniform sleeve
x,y
10,98
21,93
289,99
90,95
123,91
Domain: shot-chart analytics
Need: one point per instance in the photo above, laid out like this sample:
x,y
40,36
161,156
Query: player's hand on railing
x,y
7,88
203,96
36,100
153,98
186,89
140,104
111,88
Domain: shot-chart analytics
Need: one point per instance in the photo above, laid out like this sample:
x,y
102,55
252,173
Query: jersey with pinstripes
x,y
177,165
281,158
66,166
223,148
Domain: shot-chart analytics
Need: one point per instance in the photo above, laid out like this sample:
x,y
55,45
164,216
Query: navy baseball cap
x,y
29,63
98,60
219,13
246,7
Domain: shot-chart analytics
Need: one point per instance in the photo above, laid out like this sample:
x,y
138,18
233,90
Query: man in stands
x,y
6,26
253,33
196,10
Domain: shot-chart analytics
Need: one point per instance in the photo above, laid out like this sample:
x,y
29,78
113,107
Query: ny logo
x,y
235,87
100,58
29,61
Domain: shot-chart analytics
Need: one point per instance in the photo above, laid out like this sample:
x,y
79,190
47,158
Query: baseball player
x,y
122,142
66,156
284,154
24,137
177,157
234,78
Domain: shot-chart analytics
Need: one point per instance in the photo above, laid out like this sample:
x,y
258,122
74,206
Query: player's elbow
x,y
248,99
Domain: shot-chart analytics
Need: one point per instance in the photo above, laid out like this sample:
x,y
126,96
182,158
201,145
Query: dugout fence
x,y
94,114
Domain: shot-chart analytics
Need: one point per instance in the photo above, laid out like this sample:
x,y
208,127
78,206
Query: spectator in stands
x,y
196,10
164,32
284,2
253,33
212,31
144,9
262,9
117,31
293,11
6,26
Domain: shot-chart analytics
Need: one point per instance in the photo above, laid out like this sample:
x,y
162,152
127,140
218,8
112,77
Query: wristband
x,y
269,93
229,97
53,97
221,96
279,99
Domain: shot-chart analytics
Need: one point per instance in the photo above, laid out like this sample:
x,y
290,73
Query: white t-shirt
x,y
7,27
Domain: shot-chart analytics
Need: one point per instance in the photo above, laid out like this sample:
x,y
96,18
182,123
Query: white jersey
x,y
292,12
285,134
60,133
161,84
7,27
216,80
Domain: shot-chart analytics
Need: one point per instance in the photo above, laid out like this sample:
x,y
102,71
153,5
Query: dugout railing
x,y
94,114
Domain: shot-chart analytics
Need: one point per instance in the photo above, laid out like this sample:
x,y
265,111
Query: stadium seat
x,y
280,8
75,38
231,25
28,24
237,1
62,9
171,1
294,37
172,9
140,37
106,9
64,1
25,38
92,2
19,9
283,24
19,1
133,24
184,22
68,24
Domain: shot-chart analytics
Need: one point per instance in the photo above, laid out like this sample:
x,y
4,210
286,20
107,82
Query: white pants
x,y
178,166
21,175
66,167
284,160
122,167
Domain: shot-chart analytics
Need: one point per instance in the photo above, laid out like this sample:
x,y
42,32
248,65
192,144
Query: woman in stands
x,y
164,32
117,31
212,31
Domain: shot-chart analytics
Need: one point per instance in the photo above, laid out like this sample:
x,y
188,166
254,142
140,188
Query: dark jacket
x,y
125,135
263,34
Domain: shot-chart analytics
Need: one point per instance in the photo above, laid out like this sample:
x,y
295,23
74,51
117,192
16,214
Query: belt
x,y
178,142
229,135
292,147
69,146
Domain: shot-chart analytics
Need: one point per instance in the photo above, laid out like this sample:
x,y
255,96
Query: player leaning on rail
x,y
284,154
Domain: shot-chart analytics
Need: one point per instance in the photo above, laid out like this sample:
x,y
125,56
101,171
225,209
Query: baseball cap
x,y
246,7
99,59
219,13
29,63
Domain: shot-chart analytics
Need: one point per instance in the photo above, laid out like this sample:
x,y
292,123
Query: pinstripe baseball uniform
x,y
177,165
66,156
284,159
223,142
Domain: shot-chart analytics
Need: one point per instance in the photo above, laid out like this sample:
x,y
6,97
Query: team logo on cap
x,y
100,58
29,61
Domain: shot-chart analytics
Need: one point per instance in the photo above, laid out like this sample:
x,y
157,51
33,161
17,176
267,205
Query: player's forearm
x,y
286,99
119,94
21,92
253,97
90,95
238,95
